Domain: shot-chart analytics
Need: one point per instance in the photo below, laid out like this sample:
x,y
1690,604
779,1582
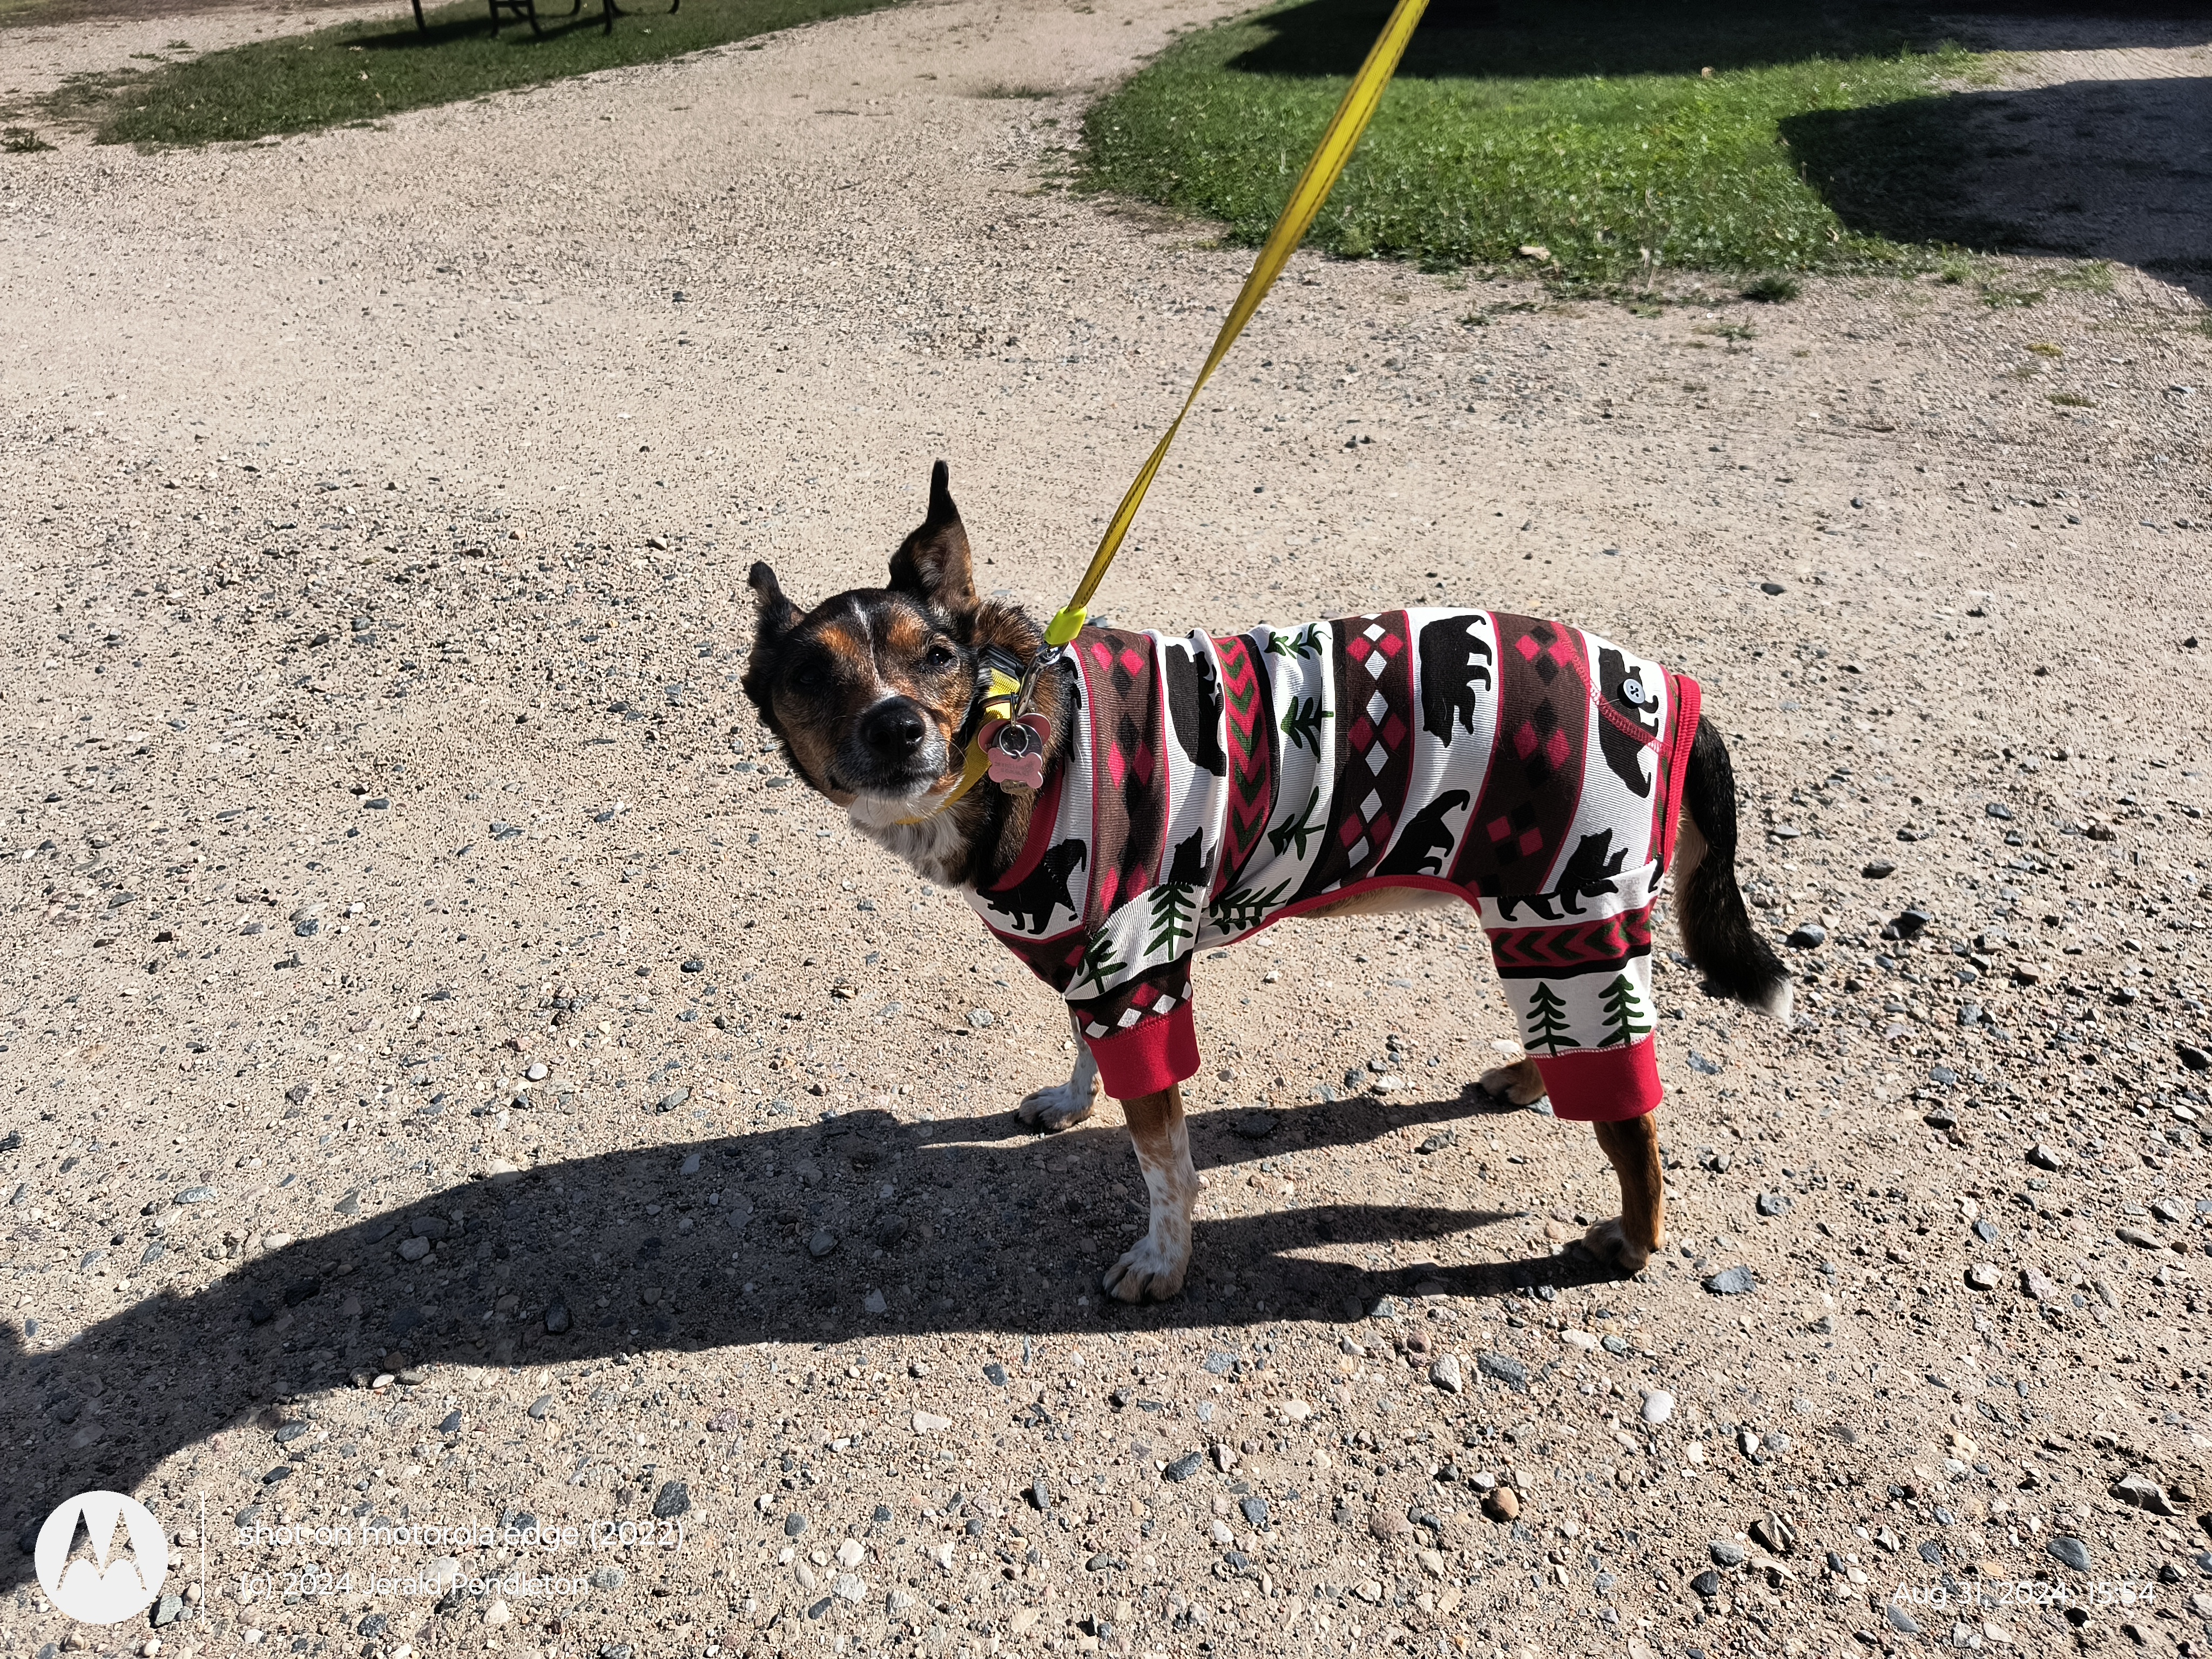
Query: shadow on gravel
x,y
966,1225
2095,169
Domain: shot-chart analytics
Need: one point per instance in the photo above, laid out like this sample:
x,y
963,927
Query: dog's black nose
x,y
894,730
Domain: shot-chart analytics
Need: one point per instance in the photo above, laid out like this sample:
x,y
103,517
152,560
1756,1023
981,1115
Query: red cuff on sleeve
x,y
1151,1055
1601,1085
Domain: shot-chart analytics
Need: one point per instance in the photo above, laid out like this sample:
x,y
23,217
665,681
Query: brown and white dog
x,y
1196,790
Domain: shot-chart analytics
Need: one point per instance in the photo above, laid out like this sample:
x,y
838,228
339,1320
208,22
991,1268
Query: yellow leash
x,y
1313,186
1002,698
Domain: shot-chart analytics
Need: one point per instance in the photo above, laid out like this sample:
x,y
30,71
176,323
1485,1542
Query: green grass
x,y
364,72
1591,130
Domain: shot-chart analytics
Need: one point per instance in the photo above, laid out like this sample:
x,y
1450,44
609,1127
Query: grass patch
x,y
2067,400
364,72
1771,290
1624,136
22,141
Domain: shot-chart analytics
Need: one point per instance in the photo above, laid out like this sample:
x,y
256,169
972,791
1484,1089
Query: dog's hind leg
x,y
1064,1104
1153,1269
1632,1144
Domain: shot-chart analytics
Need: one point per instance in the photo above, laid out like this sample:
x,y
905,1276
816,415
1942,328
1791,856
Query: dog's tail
x,y
1717,931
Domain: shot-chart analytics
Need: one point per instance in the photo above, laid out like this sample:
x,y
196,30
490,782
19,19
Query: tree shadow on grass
x,y
1528,38
964,1225
1538,39
2091,169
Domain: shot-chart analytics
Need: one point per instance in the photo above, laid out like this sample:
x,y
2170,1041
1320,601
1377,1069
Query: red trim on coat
x,y
1602,1085
1151,1055
1044,819
1689,703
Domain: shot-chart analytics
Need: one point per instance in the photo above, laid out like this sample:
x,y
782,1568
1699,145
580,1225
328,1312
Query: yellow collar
x,y
997,704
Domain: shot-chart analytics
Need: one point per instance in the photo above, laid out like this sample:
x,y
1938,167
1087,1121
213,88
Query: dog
x,y
1198,790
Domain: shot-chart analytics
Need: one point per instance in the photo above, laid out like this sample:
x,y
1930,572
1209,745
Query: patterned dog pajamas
x,y
1216,785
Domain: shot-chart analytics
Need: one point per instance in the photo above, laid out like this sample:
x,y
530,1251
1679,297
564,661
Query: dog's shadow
x,y
857,1226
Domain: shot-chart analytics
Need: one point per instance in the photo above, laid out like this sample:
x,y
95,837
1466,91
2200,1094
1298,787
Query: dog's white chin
x,y
886,812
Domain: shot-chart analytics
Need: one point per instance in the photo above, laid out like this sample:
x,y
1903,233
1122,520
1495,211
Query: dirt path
x,y
2099,143
377,509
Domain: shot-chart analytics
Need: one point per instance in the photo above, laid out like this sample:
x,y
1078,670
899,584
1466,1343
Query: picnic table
x,y
527,9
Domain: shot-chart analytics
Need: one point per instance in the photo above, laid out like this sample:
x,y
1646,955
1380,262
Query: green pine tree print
x,y
1099,963
1245,907
1301,827
1174,907
1624,1011
1302,722
1548,1011
1306,643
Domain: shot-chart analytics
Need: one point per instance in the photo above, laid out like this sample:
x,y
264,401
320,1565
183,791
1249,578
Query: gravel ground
x,y
457,1078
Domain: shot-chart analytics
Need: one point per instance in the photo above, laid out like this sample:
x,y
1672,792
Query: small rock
x,y
673,1500
1726,1553
2070,1550
929,1423
1707,1584
1501,1503
1445,1374
1899,1620
793,1524
1658,1406
1773,1204
2139,1238
1984,1276
414,1249
1878,870
982,1018
1254,1510
1386,1523
1504,1368
2046,1157
1732,1281
2036,1287
847,1587
2144,1493
1183,1467
1810,936
498,1613
822,1244
556,1319
1774,1535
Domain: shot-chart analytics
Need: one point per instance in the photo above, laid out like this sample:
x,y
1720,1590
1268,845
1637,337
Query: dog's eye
x,y
809,676
940,656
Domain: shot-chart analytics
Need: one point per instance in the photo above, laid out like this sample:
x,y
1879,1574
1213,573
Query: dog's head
x,y
869,691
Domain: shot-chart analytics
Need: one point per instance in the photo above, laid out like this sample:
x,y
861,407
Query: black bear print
x,y
1043,891
1627,695
1589,872
1425,841
1194,702
1455,659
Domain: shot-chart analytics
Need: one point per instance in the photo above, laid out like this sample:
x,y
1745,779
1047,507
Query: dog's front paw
x,y
1056,1108
1149,1272
1521,1084
1609,1242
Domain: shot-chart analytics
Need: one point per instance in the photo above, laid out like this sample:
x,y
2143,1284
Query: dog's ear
x,y
776,616
933,564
